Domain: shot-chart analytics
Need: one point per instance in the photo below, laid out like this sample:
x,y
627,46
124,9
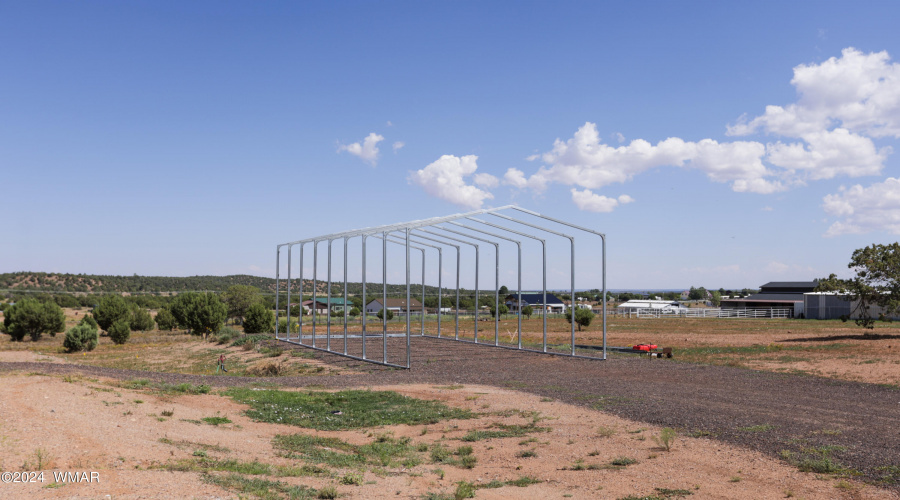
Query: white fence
x,y
706,312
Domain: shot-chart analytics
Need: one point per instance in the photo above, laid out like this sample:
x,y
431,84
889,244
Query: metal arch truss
x,y
436,233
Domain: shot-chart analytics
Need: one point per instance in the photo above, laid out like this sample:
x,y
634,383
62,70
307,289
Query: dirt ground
x,y
83,425
133,438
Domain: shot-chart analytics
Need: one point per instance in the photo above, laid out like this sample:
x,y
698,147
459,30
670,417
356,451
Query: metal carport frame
x,y
411,237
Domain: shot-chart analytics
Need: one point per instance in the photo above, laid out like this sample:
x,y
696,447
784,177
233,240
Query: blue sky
x,y
717,144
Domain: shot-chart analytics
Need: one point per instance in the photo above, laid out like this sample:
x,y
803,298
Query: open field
x,y
153,418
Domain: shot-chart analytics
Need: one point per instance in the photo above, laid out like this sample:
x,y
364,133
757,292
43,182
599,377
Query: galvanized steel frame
x,y
431,230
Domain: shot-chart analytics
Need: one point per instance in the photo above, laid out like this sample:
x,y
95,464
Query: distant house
x,y
685,294
663,305
395,305
536,301
322,305
776,294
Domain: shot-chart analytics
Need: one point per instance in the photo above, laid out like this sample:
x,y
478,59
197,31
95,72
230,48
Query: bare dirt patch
x,y
96,425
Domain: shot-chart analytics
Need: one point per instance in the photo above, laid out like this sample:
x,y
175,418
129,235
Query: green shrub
x,y
165,320
120,331
141,319
354,312
226,334
87,319
32,317
202,313
527,311
503,310
259,319
464,490
390,314
282,326
111,309
82,337
250,340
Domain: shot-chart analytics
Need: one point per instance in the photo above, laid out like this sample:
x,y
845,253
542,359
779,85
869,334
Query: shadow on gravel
x,y
829,338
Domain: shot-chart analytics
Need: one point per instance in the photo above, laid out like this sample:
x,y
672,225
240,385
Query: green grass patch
x,y
352,409
890,473
254,468
520,483
262,488
184,388
816,459
503,431
216,420
384,451
251,339
757,428
661,494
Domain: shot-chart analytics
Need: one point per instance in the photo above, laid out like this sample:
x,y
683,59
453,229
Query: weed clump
x,y
266,368
666,438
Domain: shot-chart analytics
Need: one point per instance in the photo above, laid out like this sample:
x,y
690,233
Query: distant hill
x,y
92,283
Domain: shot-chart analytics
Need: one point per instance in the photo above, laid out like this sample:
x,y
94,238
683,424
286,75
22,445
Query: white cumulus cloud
x,y
865,209
843,104
590,202
486,180
367,150
859,91
445,179
587,162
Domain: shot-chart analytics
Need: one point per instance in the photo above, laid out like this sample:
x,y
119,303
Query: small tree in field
x,y
876,283
140,319
503,310
165,320
33,318
82,337
239,298
112,308
390,314
120,331
202,313
583,317
354,312
528,311
259,319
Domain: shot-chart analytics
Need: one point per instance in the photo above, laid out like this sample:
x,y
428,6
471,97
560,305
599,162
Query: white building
x,y
664,305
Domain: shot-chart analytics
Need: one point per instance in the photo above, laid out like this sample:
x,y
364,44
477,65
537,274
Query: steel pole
x,y
457,292
365,312
300,318
277,291
384,311
328,303
544,305
409,298
423,284
572,240
315,304
288,333
440,288
345,295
